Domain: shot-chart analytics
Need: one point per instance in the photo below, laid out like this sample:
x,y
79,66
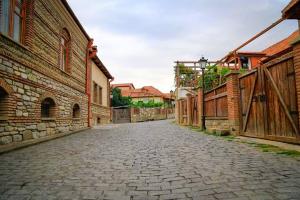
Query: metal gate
x,y
269,102
121,115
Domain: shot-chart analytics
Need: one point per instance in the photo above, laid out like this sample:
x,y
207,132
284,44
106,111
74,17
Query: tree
x,y
118,99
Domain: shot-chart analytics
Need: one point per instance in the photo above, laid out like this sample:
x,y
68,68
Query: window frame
x,y
13,4
65,51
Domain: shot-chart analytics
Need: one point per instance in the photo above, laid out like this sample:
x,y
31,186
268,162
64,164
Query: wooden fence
x,y
216,102
263,103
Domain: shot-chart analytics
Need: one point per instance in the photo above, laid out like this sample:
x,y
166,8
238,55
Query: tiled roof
x,y
281,45
146,91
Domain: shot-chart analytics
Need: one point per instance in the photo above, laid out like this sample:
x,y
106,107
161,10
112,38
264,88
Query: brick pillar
x,y
177,111
189,109
233,102
296,51
199,105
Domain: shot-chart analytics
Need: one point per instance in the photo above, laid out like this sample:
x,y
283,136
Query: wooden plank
x,y
224,94
269,76
249,104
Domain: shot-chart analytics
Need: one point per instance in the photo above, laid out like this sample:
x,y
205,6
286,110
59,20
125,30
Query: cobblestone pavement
x,y
152,160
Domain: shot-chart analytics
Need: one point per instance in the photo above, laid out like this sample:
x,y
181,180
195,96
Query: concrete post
x,y
233,102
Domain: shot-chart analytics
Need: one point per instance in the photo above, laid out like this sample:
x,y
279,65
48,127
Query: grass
x,y
274,149
262,147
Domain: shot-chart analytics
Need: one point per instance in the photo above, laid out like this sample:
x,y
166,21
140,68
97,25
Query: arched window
x,y
65,50
3,104
12,14
76,111
48,108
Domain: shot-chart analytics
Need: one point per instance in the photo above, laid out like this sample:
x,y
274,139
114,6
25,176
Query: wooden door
x,y
252,104
121,115
269,102
282,110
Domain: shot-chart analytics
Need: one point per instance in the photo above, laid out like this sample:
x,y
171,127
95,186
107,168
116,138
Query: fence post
x,y
199,105
296,52
233,101
189,109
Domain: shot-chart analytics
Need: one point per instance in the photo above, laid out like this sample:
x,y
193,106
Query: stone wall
x,y
100,114
30,73
147,114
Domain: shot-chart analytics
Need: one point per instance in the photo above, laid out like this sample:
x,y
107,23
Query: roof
x,y
146,91
101,66
292,10
123,85
168,96
281,45
67,6
230,57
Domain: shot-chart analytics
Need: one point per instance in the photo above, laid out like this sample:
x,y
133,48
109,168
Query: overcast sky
x,y
138,40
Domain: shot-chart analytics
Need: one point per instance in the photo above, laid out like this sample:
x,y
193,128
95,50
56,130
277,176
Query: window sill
x,y
48,119
12,40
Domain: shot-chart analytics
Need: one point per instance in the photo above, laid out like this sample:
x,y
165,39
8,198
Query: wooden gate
x,y
121,115
269,103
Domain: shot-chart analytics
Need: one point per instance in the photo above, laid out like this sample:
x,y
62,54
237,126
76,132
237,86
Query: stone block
x,y
42,133
27,135
41,127
19,113
35,135
20,90
31,127
26,98
2,67
7,63
5,140
17,138
8,128
52,125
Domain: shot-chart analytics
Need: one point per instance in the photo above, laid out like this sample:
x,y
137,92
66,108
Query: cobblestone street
x,y
152,160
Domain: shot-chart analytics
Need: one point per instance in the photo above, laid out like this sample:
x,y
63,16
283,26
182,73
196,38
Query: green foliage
x,y
149,104
214,76
118,99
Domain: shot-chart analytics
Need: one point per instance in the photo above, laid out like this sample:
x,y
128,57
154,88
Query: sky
x,y
139,40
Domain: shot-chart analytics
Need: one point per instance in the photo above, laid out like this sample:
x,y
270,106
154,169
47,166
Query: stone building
x,y
44,71
100,92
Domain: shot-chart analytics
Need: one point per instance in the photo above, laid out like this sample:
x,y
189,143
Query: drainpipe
x,y
88,78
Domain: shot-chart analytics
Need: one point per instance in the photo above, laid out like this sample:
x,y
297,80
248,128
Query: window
x,y
95,95
12,18
3,104
48,108
100,95
64,59
76,111
245,62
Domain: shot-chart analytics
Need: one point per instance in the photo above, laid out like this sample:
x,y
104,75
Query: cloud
x,y
138,40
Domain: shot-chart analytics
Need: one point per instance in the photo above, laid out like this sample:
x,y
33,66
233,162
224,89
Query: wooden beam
x,y
249,104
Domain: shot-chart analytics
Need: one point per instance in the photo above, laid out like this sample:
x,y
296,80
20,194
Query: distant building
x,y
251,60
144,94
100,92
